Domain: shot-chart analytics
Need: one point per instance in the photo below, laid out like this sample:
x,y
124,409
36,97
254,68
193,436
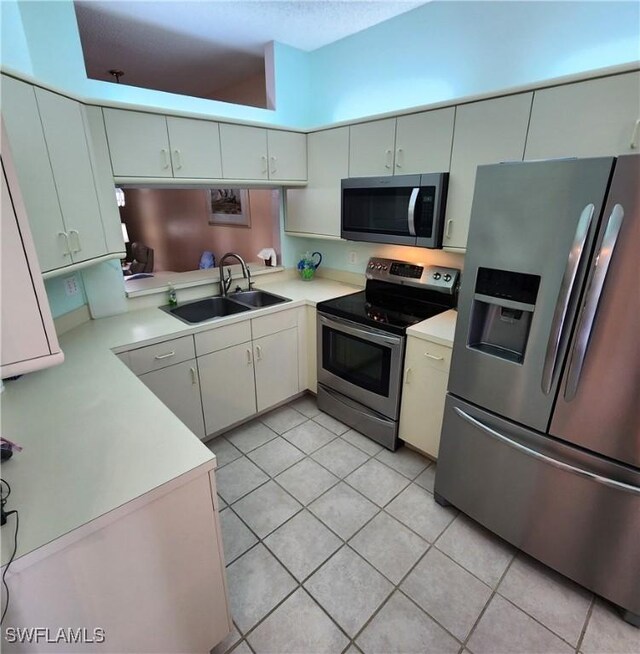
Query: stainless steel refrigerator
x,y
541,435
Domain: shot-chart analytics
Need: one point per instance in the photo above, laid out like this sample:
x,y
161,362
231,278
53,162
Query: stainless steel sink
x,y
207,309
257,299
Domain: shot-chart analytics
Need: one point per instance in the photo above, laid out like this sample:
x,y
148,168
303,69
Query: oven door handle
x,y
411,214
369,334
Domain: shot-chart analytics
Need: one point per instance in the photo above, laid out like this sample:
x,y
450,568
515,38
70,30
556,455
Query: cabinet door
x,y
244,152
423,396
138,143
276,367
195,148
179,388
485,132
371,148
227,386
315,209
287,155
22,120
103,178
64,132
22,330
423,142
587,119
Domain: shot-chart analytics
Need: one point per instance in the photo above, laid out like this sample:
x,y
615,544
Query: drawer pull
x,y
258,353
249,359
194,376
433,356
168,355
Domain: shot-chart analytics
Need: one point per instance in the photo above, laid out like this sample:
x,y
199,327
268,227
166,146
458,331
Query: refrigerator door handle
x,y
606,481
411,216
590,307
564,297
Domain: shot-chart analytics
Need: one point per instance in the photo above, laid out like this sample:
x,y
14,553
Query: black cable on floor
x,y
3,501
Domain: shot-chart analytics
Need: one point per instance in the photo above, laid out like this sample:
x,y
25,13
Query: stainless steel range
x,y
361,342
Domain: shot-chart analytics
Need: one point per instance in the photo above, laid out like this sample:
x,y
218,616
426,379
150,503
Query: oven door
x,y
360,362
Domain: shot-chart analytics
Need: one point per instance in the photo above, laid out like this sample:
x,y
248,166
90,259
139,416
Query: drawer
x,y
222,337
161,355
421,352
274,322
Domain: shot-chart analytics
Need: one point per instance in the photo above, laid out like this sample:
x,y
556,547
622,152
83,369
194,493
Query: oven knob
x,y
437,275
379,266
372,266
384,267
447,277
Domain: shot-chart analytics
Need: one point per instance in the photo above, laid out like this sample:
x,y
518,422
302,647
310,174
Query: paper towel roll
x,y
268,255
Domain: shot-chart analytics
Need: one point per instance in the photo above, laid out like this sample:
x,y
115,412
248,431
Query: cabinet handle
x,y
165,157
447,231
265,167
194,376
399,157
433,356
178,158
74,233
168,355
634,134
67,252
407,374
258,353
274,168
249,359
388,155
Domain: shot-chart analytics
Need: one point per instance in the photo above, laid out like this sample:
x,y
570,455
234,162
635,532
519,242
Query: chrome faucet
x,y
225,283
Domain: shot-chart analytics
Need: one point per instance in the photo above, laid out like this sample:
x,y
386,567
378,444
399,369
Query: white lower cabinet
x,y
426,374
178,387
228,387
276,367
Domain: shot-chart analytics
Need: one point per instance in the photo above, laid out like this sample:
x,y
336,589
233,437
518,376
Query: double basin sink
x,y
219,307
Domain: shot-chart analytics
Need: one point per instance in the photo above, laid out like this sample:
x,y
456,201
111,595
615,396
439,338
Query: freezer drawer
x,y
575,512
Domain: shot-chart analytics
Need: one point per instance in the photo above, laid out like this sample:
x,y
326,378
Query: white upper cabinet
x,y
244,152
287,155
31,159
371,148
315,209
64,132
587,119
138,143
423,142
256,153
195,148
485,132
63,179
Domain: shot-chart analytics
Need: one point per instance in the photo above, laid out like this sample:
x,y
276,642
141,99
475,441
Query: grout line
x,y
586,623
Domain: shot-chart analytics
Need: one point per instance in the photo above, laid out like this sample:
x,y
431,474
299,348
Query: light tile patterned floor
x,y
334,544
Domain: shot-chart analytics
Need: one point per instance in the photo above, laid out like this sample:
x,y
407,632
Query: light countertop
x,y
440,329
94,436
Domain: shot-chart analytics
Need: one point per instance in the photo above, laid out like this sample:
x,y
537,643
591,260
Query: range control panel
x,y
436,278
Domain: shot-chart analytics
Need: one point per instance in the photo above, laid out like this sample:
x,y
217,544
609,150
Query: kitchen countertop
x,y
94,437
440,329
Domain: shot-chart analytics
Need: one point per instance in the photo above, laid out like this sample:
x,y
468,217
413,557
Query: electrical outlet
x,y
71,286
353,257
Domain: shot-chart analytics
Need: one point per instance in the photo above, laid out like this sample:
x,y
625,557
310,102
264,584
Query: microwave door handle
x,y
590,308
564,297
411,214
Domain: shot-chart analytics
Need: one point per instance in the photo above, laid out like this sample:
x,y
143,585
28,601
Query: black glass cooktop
x,y
389,307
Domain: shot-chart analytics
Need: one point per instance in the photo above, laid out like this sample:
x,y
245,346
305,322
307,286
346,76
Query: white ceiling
x,y
210,44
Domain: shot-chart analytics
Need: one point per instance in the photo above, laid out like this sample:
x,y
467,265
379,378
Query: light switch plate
x,y
353,257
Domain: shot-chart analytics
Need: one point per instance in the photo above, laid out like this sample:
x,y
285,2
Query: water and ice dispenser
x,y
503,305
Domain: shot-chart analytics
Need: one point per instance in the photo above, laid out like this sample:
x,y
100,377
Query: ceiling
x,y
203,48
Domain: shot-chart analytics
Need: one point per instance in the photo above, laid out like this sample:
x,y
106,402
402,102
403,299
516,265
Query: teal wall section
x,y
446,50
56,54
61,303
14,50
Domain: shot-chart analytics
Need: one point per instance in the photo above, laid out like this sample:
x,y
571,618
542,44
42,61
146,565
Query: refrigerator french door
x,y
541,434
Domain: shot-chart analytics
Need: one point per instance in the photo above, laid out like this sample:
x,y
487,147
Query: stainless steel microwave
x,y
400,209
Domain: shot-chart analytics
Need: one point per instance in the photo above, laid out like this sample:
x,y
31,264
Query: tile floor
x,y
335,545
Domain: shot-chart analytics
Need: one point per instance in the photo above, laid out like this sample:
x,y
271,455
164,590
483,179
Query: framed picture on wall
x,y
229,206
